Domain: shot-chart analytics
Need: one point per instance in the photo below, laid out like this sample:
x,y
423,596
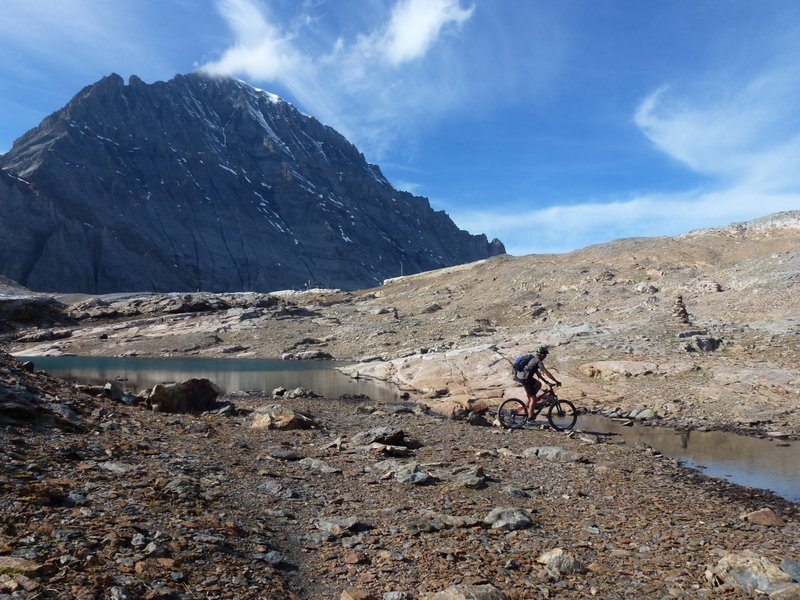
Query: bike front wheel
x,y
512,414
562,415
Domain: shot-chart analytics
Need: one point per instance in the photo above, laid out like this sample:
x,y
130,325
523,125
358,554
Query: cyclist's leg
x,y
531,387
524,384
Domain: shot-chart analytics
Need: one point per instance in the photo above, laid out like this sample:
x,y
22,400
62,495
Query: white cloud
x,y
565,228
416,24
371,87
744,137
261,51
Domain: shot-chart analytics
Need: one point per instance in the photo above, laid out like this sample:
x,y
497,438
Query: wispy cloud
x,y
565,228
365,86
744,134
744,137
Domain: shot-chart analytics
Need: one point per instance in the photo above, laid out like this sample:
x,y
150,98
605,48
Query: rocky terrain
x,y
726,355
200,183
294,496
302,497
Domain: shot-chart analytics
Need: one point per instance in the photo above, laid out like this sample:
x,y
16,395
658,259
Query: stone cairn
x,y
680,312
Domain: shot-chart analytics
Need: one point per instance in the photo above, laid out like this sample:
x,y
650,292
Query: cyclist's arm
x,y
550,375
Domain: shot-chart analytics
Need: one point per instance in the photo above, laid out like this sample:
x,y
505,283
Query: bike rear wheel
x,y
562,415
512,414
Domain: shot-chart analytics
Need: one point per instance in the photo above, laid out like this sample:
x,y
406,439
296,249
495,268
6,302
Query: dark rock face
x,y
193,395
24,311
200,183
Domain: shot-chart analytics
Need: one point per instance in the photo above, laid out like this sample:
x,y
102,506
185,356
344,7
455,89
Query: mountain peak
x,y
207,183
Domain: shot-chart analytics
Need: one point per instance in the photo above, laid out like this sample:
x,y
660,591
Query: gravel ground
x,y
100,499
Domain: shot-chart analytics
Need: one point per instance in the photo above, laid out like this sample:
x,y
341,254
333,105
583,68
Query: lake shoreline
x,y
215,497
261,376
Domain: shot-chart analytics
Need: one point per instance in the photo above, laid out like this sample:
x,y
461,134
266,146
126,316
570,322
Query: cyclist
x,y
530,375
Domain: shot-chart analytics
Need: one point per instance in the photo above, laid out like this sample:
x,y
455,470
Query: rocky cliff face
x,y
208,184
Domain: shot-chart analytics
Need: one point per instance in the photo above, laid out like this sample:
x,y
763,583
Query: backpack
x,y
521,361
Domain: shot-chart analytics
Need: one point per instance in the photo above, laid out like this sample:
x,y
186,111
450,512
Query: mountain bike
x,y
562,414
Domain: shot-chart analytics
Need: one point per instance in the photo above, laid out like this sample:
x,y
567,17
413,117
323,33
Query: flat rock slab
x,y
612,370
469,592
552,453
12,565
278,416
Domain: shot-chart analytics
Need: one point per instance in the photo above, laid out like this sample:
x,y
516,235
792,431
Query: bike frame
x,y
546,399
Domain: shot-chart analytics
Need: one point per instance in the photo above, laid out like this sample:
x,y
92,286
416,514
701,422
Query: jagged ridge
x,y
200,183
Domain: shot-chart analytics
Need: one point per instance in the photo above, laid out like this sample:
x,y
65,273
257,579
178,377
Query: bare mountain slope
x,y
206,184
9,287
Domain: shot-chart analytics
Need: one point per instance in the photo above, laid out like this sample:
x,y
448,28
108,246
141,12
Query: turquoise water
x,y
231,375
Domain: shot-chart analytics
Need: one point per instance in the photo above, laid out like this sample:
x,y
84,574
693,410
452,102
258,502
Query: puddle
x,y
759,463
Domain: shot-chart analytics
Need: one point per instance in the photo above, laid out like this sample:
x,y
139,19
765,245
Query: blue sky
x,y
551,125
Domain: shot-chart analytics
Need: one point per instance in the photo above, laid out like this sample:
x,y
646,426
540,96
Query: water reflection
x,y
742,460
231,375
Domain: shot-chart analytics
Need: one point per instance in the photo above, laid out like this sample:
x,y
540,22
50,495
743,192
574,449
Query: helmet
x,y
542,351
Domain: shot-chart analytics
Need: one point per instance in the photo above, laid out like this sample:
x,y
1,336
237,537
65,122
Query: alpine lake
x,y
754,462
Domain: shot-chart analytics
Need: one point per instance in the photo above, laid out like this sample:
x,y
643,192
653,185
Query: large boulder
x,y
561,562
23,310
382,435
17,403
508,519
750,573
192,395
